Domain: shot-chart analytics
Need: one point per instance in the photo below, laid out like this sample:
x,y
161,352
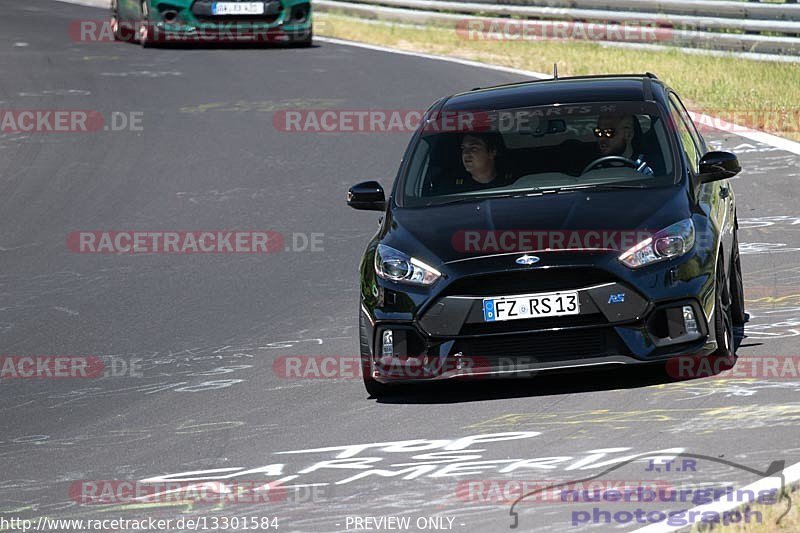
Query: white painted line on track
x,y
747,133
466,62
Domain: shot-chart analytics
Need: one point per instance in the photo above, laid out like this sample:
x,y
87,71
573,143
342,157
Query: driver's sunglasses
x,y
606,132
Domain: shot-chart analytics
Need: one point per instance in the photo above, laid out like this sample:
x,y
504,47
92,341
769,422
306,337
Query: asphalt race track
x,y
199,337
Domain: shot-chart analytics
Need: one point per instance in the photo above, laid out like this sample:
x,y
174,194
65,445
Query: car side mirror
x,y
368,196
715,166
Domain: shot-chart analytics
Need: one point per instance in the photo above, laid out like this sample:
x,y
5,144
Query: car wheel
x,y
376,389
723,316
306,40
120,30
115,29
115,22
737,288
145,32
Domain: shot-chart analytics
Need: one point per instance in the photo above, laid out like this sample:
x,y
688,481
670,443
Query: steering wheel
x,y
607,159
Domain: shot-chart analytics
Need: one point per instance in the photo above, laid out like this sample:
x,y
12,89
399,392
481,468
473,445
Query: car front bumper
x,y
185,20
620,323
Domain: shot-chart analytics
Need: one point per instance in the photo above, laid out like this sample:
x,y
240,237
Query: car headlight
x,y
670,242
394,265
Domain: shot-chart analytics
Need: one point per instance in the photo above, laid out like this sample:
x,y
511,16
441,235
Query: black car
x,y
548,225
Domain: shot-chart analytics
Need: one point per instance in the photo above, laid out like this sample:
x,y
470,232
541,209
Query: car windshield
x,y
465,156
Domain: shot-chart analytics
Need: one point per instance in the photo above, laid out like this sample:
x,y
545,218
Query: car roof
x,y
581,89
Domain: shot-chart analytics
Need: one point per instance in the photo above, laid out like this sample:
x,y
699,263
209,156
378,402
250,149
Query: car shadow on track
x,y
545,383
245,45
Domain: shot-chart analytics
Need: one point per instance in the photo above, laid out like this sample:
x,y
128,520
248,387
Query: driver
x,y
615,136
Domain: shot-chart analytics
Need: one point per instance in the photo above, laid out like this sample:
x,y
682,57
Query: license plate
x,y
237,8
531,306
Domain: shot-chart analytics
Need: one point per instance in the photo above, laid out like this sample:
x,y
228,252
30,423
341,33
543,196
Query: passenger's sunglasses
x,y
604,132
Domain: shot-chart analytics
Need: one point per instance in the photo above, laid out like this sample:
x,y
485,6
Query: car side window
x,y
690,148
698,139
418,167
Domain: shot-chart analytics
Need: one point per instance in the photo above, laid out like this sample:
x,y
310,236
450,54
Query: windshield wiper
x,y
598,187
535,191
478,198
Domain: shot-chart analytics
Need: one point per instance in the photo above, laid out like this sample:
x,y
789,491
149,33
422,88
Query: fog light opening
x,y
674,324
387,344
400,353
689,320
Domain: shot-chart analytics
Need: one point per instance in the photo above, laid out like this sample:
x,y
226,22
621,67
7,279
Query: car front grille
x,y
530,324
203,12
528,281
545,347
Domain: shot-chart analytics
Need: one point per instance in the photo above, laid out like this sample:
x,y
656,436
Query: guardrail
x,y
701,8
711,24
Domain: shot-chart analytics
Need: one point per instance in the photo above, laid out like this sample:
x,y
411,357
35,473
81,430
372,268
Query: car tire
x,y
145,33
375,389
305,42
723,316
115,23
115,30
737,287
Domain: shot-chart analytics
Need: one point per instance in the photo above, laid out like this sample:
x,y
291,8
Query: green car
x,y
154,22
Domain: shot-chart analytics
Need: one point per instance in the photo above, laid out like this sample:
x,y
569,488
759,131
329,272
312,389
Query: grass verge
x,y
757,94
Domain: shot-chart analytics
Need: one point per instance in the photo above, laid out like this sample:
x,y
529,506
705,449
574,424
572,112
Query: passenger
x,y
481,157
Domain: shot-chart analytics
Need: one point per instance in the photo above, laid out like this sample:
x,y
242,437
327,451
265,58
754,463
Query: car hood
x,y
436,234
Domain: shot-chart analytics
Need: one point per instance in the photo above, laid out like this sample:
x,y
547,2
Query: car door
x,y
715,198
